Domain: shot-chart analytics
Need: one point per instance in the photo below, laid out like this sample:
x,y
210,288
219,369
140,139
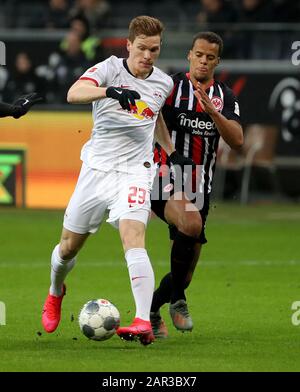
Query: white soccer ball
x,y
99,319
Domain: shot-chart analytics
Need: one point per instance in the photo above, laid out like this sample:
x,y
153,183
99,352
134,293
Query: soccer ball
x,y
99,319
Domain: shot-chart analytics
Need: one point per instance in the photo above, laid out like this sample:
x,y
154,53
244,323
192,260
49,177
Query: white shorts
x,y
126,196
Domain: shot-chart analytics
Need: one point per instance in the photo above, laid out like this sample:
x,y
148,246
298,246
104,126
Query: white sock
x,y
141,279
59,270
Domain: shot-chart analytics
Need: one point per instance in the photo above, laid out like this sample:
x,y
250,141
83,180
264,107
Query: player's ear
x,y
128,45
218,61
189,56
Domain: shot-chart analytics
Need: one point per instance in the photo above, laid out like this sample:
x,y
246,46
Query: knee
x,y
68,249
132,239
191,225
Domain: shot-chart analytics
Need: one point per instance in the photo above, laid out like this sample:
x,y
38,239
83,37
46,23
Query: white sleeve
x,y
97,74
171,86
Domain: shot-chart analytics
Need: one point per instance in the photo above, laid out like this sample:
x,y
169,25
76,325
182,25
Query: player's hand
x,y
180,160
124,96
204,100
24,103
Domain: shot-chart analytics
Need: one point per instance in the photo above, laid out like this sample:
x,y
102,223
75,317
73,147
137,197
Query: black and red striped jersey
x,y
192,130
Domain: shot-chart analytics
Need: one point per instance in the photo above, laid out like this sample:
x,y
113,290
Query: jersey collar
x,y
207,87
128,70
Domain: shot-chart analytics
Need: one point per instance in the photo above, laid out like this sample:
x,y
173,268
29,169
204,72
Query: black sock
x,y
182,255
162,294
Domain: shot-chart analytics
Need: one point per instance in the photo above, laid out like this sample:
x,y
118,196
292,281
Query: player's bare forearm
x,y
162,135
230,130
85,91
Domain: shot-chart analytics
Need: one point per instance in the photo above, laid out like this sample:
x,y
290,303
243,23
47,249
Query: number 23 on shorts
x,y
136,196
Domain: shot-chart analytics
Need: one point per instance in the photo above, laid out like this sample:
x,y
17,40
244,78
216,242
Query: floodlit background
x,y
49,44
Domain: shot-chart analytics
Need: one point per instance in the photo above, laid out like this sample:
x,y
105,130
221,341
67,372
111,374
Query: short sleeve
x,y
171,86
97,74
231,108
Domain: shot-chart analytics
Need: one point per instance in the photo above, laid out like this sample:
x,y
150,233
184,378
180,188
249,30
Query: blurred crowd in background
x,y
56,14
50,43
83,23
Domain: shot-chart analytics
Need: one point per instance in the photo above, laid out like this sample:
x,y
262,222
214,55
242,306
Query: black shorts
x,y
162,190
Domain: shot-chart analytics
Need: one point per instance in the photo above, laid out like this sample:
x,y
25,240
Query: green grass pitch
x,y
240,298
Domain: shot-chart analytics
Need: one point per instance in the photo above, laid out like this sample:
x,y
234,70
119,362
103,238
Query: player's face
x,y
143,52
203,60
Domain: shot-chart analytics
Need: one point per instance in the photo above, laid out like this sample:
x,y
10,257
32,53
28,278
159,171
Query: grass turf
x,y
240,298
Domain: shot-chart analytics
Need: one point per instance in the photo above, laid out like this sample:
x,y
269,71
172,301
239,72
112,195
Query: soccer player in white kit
x,y
117,170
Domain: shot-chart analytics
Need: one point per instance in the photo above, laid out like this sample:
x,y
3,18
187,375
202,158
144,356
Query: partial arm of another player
x,y
230,130
6,109
20,107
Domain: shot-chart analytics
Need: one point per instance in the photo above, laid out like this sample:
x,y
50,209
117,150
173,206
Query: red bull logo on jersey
x,y
141,111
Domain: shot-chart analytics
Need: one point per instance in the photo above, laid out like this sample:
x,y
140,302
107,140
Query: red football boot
x,y
139,329
52,311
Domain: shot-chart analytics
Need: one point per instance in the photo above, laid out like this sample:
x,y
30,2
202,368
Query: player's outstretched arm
x,y
24,103
85,91
20,107
6,109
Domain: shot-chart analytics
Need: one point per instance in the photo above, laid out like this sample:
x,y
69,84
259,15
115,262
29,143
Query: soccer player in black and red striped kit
x,y
198,111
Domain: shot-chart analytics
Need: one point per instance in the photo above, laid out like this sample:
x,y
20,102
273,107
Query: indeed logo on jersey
x,y
198,127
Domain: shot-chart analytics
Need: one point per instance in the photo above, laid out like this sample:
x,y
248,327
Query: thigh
x,y
132,198
162,190
88,203
158,207
179,209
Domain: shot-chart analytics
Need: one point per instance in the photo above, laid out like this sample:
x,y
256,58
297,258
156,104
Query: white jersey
x,y
123,140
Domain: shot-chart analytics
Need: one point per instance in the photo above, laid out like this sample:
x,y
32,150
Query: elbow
x,y
238,144
238,141
73,94
71,97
